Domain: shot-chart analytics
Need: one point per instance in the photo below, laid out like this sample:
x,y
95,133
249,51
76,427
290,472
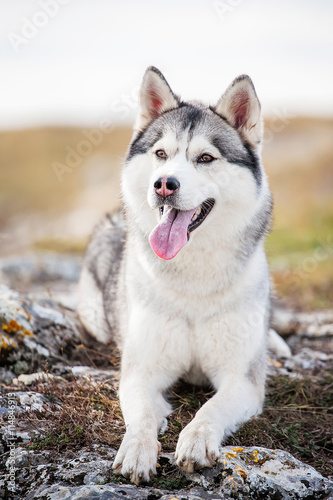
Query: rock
x,y
239,473
263,473
25,401
6,376
122,492
316,324
31,401
39,268
306,360
21,436
31,330
30,379
33,377
93,374
58,492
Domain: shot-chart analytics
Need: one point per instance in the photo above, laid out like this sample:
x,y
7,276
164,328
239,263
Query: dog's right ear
x,y
156,97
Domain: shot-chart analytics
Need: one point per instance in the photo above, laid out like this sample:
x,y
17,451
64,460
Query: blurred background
x,y
70,74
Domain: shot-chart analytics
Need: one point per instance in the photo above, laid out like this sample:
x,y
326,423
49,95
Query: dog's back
x,y
98,282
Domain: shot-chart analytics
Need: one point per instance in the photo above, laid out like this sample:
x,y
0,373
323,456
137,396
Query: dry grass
x,y
297,418
299,162
87,413
28,182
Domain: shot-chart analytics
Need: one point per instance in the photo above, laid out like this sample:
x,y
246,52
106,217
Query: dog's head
x,y
191,166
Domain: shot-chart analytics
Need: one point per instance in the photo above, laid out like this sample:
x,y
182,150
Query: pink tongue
x,y
170,235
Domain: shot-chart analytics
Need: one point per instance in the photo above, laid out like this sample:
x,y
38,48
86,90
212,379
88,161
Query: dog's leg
x,y
235,402
144,409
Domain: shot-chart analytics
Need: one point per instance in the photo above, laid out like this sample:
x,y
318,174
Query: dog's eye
x,y
160,153
205,158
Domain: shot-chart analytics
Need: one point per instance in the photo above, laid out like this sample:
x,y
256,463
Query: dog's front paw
x,y
137,457
197,447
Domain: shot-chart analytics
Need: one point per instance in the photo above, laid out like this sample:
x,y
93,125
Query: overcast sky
x,y
81,61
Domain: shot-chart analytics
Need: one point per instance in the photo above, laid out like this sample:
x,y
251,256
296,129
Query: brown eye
x,y
161,153
205,158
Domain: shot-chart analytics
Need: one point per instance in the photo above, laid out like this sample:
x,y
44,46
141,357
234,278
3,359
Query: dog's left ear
x,y
156,97
240,106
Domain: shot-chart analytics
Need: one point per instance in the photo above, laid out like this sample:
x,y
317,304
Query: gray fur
x,y
200,120
103,259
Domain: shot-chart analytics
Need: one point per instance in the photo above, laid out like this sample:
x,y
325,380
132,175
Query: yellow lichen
x,y
240,471
12,327
27,333
6,342
231,479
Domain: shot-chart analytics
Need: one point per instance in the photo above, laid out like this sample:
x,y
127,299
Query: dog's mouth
x,y
175,226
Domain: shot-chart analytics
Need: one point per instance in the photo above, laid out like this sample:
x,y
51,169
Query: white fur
x,y
90,305
229,318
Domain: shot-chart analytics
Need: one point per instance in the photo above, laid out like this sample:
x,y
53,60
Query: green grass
x,y
301,261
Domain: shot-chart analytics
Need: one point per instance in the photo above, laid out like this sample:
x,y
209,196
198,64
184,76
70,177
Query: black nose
x,y
166,186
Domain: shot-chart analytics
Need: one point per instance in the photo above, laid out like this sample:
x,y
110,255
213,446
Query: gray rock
x,y
20,435
305,360
88,373
58,492
314,324
24,401
89,468
31,401
116,492
263,473
239,473
6,376
39,268
32,329
36,377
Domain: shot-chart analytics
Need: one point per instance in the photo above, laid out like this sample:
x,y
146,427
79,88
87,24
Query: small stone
x,y
94,478
32,377
6,376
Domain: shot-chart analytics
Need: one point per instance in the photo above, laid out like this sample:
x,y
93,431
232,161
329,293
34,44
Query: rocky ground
x,y
61,420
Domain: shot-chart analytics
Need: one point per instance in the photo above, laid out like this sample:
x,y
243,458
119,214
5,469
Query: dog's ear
x,y
240,106
156,97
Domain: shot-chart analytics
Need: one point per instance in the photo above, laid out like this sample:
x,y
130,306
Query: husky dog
x,y
180,280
